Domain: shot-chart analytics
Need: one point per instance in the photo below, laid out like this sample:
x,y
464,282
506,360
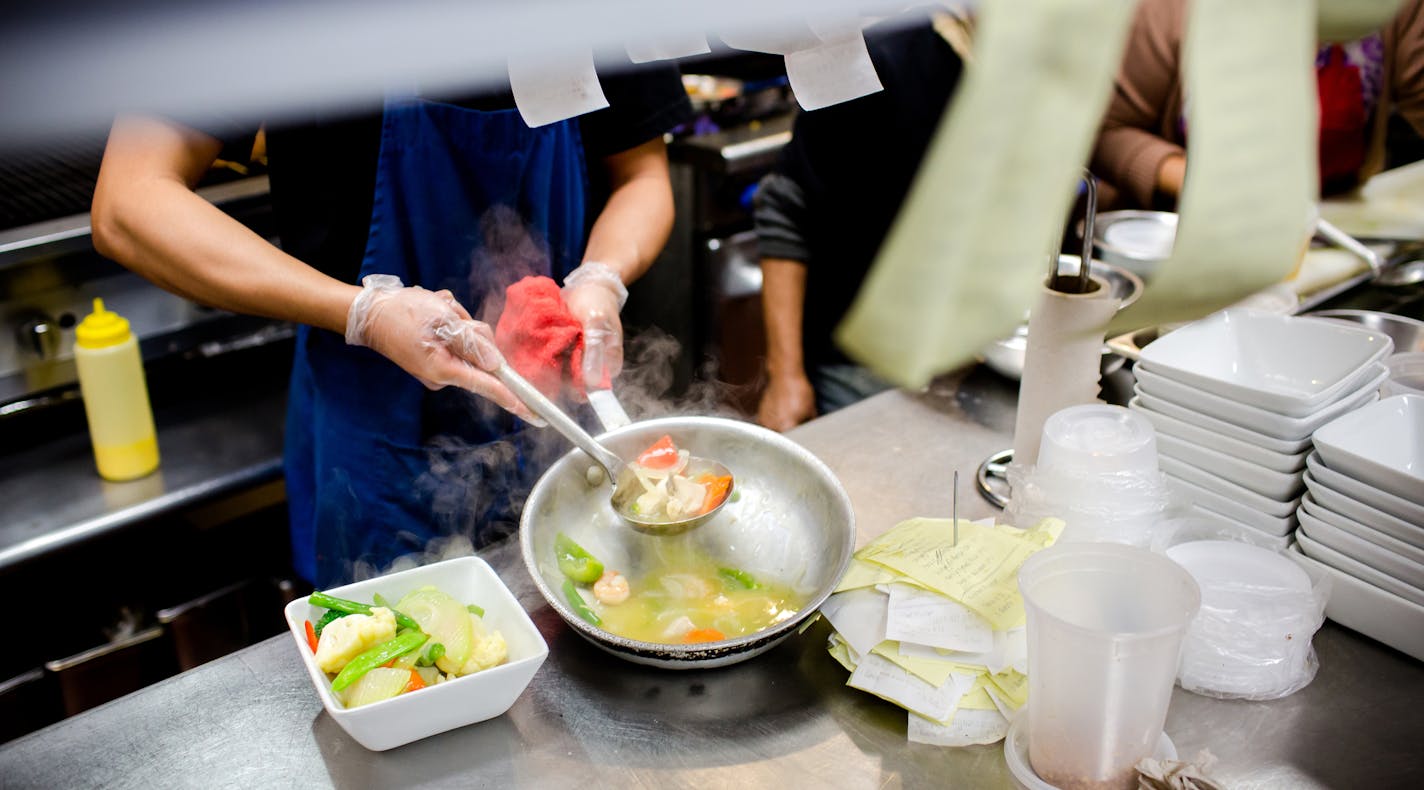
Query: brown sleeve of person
x,y
1404,40
1141,129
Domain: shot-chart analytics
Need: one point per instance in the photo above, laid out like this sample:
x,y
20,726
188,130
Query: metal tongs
x,y
1083,282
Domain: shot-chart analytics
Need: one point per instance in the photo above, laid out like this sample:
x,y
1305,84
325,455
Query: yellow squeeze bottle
x,y
115,392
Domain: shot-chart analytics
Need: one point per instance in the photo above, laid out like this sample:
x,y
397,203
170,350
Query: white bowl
x,y
1269,361
1403,548
1331,499
1160,406
1365,493
1256,536
1318,551
445,706
1278,526
1280,508
1381,444
1361,550
1376,613
1261,420
1171,426
1266,482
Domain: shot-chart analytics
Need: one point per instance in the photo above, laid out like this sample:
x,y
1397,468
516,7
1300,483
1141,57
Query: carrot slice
x,y
416,682
662,455
699,635
311,636
716,492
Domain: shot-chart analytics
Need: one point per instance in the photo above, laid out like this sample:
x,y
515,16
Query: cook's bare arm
x,y
789,399
147,217
625,239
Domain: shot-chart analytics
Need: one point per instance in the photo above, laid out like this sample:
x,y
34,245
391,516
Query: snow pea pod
x,y
579,605
355,607
376,656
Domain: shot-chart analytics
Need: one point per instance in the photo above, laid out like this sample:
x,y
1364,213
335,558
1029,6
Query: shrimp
x,y
611,588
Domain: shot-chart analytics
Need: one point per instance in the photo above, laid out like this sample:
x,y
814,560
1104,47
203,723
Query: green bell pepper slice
x,y
575,562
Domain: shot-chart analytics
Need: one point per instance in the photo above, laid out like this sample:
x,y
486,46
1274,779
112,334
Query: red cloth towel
x,y
539,337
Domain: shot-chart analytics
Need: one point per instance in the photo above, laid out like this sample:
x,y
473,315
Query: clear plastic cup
x,y
1097,439
1105,627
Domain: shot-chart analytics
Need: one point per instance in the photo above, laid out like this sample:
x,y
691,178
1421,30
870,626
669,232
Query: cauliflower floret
x,y
345,638
489,651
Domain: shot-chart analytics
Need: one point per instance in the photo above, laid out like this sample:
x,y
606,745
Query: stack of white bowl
x,y
1363,518
1235,398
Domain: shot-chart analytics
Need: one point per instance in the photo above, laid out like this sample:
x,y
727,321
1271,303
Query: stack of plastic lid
x,y
1363,518
1235,398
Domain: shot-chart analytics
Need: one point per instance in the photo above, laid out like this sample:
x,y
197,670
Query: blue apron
x,y
377,465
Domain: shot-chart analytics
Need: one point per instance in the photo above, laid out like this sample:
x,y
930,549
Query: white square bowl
x,y
1275,362
1162,406
1330,499
1167,425
1282,486
1280,508
1379,499
1381,444
1278,526
1357,548
445,706
1376,613
1406,549
1335,559
1257,419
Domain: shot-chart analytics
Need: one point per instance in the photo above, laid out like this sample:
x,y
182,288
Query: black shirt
x,y
854,163
323,172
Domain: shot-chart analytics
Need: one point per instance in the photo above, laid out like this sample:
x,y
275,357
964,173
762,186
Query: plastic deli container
x,y
1105,627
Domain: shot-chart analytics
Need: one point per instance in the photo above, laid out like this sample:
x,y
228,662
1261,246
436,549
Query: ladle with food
x,y
664,491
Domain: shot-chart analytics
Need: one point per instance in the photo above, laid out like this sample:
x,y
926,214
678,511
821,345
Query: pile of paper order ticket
x,y
937,627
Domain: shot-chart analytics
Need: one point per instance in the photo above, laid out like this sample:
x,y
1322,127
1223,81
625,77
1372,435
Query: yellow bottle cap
x,y
101,328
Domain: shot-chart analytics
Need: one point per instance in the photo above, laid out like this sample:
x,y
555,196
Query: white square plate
x,y
1261,420
1357,548
1171,426
1256,536
1361,513
1270,361
1280,508
1278,526
1365,493
1318,551
1266,482
1376,613
1405,549
1282,446
1381,444
445,706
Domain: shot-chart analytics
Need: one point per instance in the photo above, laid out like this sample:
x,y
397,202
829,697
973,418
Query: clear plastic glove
x,y
787,402
594,294
430,336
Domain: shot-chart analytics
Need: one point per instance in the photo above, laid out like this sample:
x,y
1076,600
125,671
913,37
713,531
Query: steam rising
x,y
476,492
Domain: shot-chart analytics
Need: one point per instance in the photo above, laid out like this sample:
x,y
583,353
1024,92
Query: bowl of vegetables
x,y
415,653
722,593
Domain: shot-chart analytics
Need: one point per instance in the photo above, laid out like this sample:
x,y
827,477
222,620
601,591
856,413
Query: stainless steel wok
x,y
791,523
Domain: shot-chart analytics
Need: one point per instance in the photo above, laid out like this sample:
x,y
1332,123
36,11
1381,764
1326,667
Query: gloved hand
x,y
594,294
787,402
430,335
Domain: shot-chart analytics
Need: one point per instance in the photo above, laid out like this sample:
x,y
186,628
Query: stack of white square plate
x,y
1363,514
1235,398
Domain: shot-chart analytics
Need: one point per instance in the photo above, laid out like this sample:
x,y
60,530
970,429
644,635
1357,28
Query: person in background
x,y
395,224
823,211
1141,149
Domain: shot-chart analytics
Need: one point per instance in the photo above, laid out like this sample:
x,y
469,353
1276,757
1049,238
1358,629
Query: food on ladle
x,y
669,494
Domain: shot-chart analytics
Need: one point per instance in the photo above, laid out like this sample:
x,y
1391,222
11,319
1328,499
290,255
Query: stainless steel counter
x,y
783,720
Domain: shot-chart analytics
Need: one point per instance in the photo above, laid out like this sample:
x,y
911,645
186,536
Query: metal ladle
x,y
626,487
